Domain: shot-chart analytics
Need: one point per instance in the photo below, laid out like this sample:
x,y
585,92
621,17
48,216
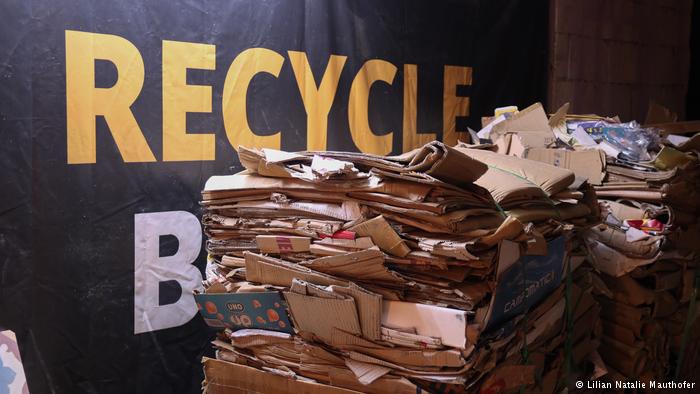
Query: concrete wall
x,y
611,57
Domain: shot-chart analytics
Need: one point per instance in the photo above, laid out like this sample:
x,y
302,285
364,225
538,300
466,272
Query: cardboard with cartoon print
x,y
263,310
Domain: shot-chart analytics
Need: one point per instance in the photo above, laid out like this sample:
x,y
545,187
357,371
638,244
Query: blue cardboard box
x,y
523,281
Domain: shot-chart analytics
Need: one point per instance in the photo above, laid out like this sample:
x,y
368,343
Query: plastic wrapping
x,y
633,141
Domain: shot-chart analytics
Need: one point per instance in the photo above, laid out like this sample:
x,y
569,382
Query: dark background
x,y
66,231
692,108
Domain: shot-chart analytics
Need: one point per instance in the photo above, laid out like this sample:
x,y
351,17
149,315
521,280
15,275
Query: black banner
x,y
114,114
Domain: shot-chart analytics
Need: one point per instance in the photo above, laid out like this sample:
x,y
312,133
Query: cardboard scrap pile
x,y
340,271
645,248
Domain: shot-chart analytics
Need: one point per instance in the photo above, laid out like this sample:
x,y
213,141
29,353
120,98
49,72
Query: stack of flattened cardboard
x,y
397,273
557,201
645,249
648,280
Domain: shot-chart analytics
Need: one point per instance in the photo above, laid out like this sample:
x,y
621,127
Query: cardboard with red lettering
x,y
282,244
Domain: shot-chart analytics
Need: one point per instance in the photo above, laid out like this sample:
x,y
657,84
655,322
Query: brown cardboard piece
x,y
523,141
270,162
385,384
436,160
319,311
268,270
334,246
365,265
532,119
550,178
340,338
510,190
282,243
588,164
369,307
223,377
382,235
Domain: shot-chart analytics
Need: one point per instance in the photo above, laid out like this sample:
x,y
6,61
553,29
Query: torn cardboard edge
x,y
382,235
